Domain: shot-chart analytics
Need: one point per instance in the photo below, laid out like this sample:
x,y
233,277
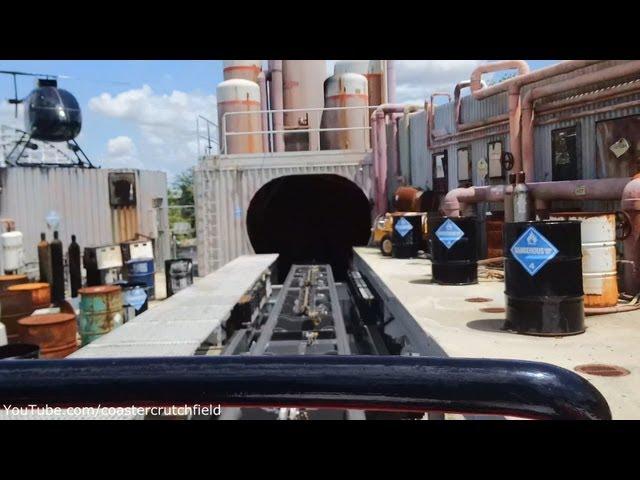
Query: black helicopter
x,y
51,115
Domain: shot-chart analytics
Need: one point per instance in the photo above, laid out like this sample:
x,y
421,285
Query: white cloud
x,y
121,153
418,79
166,123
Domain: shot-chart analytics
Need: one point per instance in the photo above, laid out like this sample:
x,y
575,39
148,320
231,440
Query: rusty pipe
x,y
455,200
476,76
381,147
630,203
262,83
391,81
590,311
542,192
611,73
277,102
480,93
458,101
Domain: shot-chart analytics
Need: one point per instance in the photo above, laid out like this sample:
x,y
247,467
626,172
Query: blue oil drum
x,y
142,270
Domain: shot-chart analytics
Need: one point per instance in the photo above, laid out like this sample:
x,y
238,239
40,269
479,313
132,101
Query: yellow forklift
x,y
406,200
383,227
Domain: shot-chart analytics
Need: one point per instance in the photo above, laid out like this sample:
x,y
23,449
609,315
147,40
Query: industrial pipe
x,y
630,204
262,83
391,82
611,73
378,125
277,102
480,93
458,106
386,383
455,200
381,148
513,87
582,190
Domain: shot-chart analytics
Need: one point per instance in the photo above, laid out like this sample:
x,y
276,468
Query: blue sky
x,y
142,113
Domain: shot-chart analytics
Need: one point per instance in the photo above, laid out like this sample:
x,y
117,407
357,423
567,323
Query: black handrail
x,y
417,384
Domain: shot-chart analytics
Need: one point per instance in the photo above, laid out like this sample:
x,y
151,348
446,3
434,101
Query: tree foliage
x,y
181,194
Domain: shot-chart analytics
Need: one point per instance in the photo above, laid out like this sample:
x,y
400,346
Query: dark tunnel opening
x,y
309,218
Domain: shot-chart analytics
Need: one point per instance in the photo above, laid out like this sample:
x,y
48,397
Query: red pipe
x,y
513,86
600,189
277,102
380,161
630,204
262,82
522,79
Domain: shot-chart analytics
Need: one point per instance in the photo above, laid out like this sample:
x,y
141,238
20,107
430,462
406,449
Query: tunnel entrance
x,y
309,218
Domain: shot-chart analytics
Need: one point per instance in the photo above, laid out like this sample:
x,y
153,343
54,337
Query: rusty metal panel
x,y
419,156
224,187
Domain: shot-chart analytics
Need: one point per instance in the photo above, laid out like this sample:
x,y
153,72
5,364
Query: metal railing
x,y
206,136
272,131
384,383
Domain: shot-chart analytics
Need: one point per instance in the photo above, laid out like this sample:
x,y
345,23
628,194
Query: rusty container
x,y
238,95
40,293
599,262
100,311
13,307
494,225
302,87
347,90
244,69
8,280
54,333
44,259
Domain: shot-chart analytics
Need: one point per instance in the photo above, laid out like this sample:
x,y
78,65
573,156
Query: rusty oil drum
x,y
8,280
40,293
100,311
494,225
54,333
13,307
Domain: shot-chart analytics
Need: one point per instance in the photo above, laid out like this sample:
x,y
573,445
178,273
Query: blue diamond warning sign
x,y
449,233
403,227
532,250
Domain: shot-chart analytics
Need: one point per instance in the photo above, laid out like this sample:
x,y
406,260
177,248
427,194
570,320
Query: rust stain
x,y
602,370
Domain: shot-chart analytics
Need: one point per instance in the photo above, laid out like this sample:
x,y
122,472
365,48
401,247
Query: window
x,y
464,165
122,189
565,154
440,172
494,154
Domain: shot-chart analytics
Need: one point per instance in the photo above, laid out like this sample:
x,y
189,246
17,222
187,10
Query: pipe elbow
x,y
450,205
630,200
476,75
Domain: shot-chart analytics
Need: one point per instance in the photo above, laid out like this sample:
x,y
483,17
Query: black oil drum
x,y
454,250
406,237
19,351
543,278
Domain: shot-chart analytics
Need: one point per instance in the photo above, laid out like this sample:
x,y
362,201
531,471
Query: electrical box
x,y
494,153
122,189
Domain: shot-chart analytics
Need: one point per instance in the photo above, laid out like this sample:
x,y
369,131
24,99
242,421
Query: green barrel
x,y
100,311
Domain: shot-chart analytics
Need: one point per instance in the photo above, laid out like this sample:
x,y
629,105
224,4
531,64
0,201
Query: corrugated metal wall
x,y
474,110
81,199
224,187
